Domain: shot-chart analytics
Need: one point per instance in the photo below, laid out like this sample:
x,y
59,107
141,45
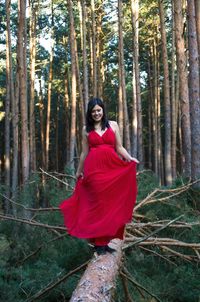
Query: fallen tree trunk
x,y
98,281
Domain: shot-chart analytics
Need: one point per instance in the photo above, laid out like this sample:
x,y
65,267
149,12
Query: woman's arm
x,y
85,149
119,148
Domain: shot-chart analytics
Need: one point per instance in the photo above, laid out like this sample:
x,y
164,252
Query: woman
x,y
106,189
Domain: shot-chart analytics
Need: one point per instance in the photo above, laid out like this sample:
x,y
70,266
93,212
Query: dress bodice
x,y
107,138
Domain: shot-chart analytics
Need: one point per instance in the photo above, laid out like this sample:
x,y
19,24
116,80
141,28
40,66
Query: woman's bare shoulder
x,y
113,124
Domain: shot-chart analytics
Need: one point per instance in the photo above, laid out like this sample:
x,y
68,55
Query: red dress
x,y
103,201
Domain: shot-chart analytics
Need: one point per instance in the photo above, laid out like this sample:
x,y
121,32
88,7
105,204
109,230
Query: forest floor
x,y
39,261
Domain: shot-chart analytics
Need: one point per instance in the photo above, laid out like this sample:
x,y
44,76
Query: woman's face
x,y
97,113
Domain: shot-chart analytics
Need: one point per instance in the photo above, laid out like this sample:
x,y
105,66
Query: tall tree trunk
x,y
67,116
48,120
160,146
183,87
194,90
7,106
155,105
150,115
135,25
173,99
134,15
25,155
42,130
197,14
85,64
15,131
94,56
57,132
73,89
33,9
167,110
120,104
122,77
99,49
80,87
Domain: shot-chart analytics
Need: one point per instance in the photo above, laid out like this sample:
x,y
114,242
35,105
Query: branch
x,y
177,191
127,275
157,254
139,225
63,182
38,224
30,209
153,233
161,242
51,285
39,248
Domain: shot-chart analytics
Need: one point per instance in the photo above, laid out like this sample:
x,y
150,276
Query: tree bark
x,y
138,114
85,64
167,105
94,56
42,130
98,281
48,119
173,99
122,78
183,87
197,14
155,105
33,11
15,131
194,90
67,116
73,89
134,15
99,49
7,107
25,155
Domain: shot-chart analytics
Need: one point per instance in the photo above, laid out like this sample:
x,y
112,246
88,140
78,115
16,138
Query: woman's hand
x,y
134,159
79,175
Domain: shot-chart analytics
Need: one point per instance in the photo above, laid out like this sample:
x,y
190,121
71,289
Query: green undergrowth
x,y
32,258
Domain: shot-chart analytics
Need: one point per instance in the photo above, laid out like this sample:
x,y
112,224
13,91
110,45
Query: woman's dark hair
x,y
89,120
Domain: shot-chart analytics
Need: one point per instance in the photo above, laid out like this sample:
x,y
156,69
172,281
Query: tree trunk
x,y
7,106
150,115
183,87
94,57
48,120
173,99
25,155
160,147
167,110
197,14
122,77
80,87
85,64
138,130
15,131
99,49
57,133
98,281
134,15
194,90
73,89
155,106
42,130
67,116
33,10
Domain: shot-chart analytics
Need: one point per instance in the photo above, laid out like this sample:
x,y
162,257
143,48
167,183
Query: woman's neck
x,y
98,125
